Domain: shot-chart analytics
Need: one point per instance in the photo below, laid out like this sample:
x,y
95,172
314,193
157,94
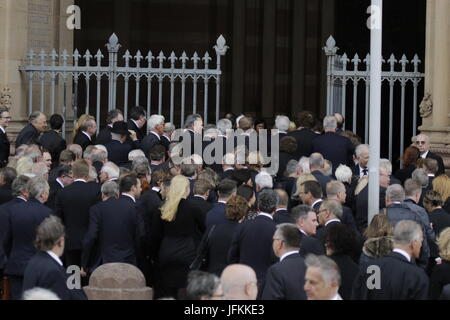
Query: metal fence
x,y
195,70
338,77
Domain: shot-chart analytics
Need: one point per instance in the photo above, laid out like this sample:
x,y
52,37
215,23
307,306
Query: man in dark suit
x,y
155,126
45,270
104,136
281,213
422,142
194,129
306,221
66,158
24,218
118,149
336,191
362,155
7,176
310,193
228,166
304,134
20,194
258,231
5,118
52,140
216,215
136,122
398,276
31,132
285,279
431,167
202,189
316,164
115,224
86,134
72,206
157,156
330,212
63,180
334,147
166,138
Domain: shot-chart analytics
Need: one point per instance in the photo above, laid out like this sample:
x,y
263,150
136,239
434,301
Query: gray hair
x,y
360,149
291,167
316,161
264,180
133,154
39,294
411,187
300,212
334,207
48,233
386,164
333,187
39,169
88,151
224,125
139,160
169,128
407,231
327,171
304,164
190,120
19,185
36,187
395,192
201,284
100,156
153,121
101,147
110,189
93,173
267,200
111,169
282,123
330,122
76,149
421,177
328,268
229,159
34,116
343,173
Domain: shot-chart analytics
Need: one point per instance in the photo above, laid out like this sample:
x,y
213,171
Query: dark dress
x,y
439,278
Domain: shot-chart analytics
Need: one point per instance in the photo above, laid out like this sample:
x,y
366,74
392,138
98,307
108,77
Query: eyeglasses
x,y
278,239
6,118
420,142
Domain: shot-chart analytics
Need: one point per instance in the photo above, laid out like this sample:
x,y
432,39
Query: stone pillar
x,y
435,110
30,24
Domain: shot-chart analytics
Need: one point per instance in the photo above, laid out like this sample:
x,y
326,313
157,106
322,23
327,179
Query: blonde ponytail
x,y
179,187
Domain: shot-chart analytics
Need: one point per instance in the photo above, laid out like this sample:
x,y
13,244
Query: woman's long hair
x,y
179,188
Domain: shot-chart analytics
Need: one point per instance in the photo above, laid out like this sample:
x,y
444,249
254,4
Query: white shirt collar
x,y
287,254
110,125
60,183
315,202
228,169
424,155
222,201
135,123
430,175
20,197
403,253
113,179
361,171
280,209
303,232
3,129
332,220
337,297
166,137
129,196
87,135
157,135
55,257
265,214
281,131
80,180
156,189
199,196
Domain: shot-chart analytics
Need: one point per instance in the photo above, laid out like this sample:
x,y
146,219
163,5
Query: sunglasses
x,y
420,142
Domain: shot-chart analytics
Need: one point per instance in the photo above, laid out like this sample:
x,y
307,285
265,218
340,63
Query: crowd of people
x,y
233,229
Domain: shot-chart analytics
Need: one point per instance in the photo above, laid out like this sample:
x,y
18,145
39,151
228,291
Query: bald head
x,y
283,198
239,282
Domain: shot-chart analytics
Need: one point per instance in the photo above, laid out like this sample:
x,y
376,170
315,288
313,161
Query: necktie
x,y
364,172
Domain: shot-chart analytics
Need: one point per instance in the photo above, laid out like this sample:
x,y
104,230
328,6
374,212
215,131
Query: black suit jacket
x,y
201,204
114,223
285,279
404,174
149,203
349,270
282,216
440,277
336,148
55,188
440,220
27,135
323,180
118,152
362,204
45,272
24,218
216,215
165,142
304,139
140,134
5,193
72,206
54,143
82,140
399,280
104,136
4,149
228,174
252,245
309,245
441,168
149,142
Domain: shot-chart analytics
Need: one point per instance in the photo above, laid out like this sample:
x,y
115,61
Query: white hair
x,y
101,147
264,180
330,122
229,159
211,132
153,121
39,169
329,170
282,123
237,120
328,268
93,173
169,128
224,125
304,164
111,169
407,231
39,294
386,164
343,173
360,149
133,154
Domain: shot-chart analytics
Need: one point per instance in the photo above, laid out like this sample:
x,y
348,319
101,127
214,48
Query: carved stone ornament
x,y
6,98
426,106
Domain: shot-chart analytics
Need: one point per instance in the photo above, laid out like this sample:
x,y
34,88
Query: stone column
x,y
30,24
435,110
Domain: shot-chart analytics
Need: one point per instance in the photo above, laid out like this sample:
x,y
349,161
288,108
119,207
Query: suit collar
x,y
399,256
289,255
127,196
265,215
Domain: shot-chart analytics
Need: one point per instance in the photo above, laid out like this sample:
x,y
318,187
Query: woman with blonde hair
x,y
24,166
441,185
441,272
177,229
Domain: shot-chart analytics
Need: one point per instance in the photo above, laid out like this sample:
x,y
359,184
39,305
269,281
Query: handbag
x,y
200,258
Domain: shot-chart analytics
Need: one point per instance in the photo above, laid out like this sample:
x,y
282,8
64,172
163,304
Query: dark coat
x,y
115,224
104,136
118,152
44,272
312,245
149,142
216,215
348,269
404,173
284,158
24,218
285,280
4,149
5,193
201,204
336,148
282,216
304,139
440,220
245,251
29,134
228,174
399,280
140,134
72,206
54,143
55,188
82,140
441,168
323,180
440,277
362,206
149,203
165,142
